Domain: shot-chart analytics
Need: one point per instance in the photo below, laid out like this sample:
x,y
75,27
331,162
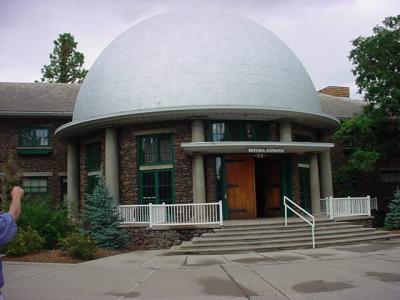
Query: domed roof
x,y
196,63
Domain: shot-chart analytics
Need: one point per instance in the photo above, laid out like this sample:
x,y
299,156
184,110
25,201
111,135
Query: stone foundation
x,y
366,222
146,238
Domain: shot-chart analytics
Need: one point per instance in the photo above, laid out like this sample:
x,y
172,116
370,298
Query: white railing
x,y
287,202
134,214
348,206
173,214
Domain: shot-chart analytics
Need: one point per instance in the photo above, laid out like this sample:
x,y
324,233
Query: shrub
x,y
50,222
27,241
79,246
392,220
101,218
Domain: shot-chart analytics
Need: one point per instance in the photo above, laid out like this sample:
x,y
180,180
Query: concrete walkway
x,y
367,271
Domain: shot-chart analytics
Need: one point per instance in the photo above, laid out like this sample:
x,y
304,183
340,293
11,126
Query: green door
x,y
305,195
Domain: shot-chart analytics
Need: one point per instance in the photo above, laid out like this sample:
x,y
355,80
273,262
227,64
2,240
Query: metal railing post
x,y
150,215
369,205
284,203
220,213
330,207
313,236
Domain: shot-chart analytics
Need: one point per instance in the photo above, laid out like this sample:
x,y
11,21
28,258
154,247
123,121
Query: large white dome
x,y
196,63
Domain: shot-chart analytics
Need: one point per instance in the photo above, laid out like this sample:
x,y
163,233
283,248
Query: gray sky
x,y
318,31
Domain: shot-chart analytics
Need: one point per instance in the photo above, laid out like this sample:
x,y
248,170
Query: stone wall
x,y
55,162
211,179
146,238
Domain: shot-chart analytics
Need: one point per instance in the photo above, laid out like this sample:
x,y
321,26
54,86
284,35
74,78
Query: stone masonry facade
x,y
54,163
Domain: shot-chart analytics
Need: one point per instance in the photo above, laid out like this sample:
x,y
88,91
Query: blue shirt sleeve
x,y
8,228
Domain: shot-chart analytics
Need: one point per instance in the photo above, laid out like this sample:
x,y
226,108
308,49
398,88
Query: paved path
x,y
367,271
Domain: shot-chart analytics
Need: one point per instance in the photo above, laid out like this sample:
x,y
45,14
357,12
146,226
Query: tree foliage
x,y
375,132
392,220
65,62
101,218
376,61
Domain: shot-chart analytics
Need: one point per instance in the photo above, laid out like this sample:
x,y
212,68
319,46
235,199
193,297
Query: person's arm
x,y
15,207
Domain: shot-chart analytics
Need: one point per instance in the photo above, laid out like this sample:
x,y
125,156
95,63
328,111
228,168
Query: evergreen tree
x,y
101,218
392,220
65,62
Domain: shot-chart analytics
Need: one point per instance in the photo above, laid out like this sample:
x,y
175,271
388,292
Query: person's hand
x,y
17,193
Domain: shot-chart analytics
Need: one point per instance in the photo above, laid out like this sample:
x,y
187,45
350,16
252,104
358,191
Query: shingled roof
x,y
340,107
58,99
37,99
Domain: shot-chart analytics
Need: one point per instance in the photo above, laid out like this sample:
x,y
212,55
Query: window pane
x,y
35,185
149,150
218,132
165,186
93,157
148,187
165,149
33,137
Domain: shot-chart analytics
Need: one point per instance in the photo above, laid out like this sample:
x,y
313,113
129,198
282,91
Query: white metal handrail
x,y
173,214
312,224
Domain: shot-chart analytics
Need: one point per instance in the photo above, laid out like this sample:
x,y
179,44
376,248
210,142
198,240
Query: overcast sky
x,y
318,31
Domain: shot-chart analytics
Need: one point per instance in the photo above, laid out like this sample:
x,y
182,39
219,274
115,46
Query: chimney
x,y
337,91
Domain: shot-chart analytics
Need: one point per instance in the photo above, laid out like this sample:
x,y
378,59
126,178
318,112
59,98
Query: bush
x,y
27,241
101,218
79,246
50,222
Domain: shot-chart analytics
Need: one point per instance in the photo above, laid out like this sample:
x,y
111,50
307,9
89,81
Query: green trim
x,y
221,186
34,151
286,180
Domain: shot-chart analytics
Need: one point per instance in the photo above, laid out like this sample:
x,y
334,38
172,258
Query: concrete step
x,y
280,222
274,247
276,231
279,226
282,240
274,235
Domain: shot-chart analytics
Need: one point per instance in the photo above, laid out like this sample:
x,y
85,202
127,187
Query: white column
x,y
285,131
326,169
314,185
111,163
73,180
199,186
326,174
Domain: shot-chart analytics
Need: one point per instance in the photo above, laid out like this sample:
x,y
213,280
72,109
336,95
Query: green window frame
x,y
156,149
219,131
157,186
34,137
36,185
93,165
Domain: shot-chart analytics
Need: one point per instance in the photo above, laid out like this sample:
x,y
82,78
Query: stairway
x,y
270,235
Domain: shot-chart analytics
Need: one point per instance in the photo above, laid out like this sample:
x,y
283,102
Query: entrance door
x,y
240,186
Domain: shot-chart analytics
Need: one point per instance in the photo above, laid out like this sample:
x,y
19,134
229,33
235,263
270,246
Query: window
x,y
93,165
156,149
156,169
35,185
33,137
157,186
238,131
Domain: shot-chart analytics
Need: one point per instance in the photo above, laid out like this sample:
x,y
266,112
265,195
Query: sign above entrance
x,y
266,150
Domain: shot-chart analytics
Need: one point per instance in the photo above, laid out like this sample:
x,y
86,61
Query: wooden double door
x,y
252,186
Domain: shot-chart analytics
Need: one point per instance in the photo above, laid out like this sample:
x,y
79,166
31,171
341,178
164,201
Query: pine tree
x,y
392,220
65,62
101,219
